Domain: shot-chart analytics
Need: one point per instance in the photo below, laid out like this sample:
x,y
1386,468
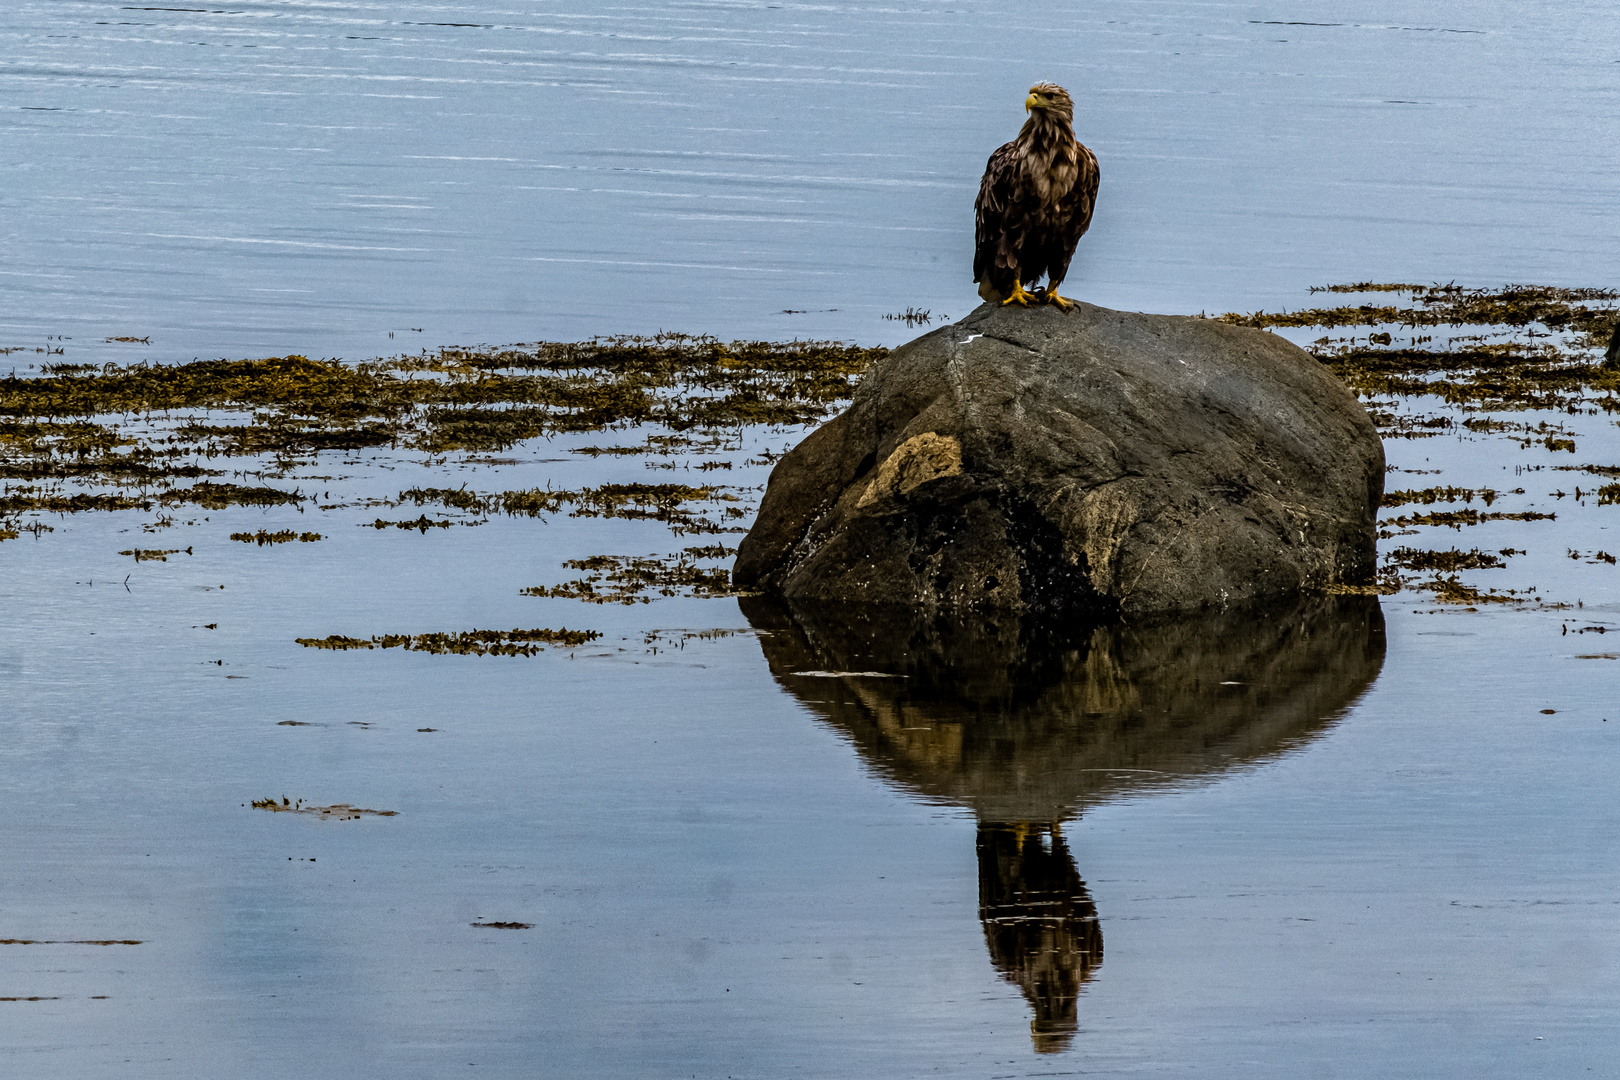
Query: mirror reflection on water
x,y
1029,727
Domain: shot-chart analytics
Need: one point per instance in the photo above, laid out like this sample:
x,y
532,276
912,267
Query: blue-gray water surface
x,y
1396,857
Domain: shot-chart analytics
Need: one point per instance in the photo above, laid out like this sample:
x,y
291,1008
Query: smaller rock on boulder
x,y
1077,465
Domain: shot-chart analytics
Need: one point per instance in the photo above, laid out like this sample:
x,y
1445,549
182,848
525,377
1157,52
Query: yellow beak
x,y
1031,102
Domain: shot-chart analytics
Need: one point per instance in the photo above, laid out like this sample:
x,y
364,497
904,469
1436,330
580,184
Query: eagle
x,y
1034,204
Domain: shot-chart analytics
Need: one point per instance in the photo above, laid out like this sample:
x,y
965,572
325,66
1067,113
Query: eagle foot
x,y
1062,303
1020,297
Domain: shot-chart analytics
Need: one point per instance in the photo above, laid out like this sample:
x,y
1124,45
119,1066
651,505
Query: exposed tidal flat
x,y
399,714
394,715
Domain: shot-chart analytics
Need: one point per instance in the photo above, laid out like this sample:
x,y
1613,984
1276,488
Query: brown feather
x,y
1035,201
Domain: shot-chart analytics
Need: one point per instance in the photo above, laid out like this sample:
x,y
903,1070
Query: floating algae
x,y
1449,590
1448,561
1452,305
1598,470
635,501
53,427
284,536
1457,519
150,555
1510,364
421,524
462,642
1429,496
626,579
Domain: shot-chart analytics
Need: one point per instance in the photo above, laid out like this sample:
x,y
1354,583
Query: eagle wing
x,y
1084,191
994,251
1074,216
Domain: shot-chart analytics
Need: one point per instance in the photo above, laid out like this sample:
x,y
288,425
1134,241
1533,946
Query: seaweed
x,y
462,642
1456,519
455,400
421,524
284,536
212,496
632,501
149,555
1449,590
1451,305
626,579
1448,561
1509,364
1429,496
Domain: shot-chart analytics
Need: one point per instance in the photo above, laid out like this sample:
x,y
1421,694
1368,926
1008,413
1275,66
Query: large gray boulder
x,y
1076,465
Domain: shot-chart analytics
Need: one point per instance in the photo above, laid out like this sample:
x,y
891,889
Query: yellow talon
x,y
1062,303
1019,296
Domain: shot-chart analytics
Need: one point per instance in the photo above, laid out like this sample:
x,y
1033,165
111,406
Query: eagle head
x,y
1052,98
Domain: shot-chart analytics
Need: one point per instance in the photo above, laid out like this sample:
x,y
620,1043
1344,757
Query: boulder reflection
x,y
1028,728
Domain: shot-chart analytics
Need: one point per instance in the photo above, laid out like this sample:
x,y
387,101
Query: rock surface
x,y
1076,465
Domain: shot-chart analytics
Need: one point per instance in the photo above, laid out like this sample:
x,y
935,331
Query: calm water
x,y
299,176
1342,840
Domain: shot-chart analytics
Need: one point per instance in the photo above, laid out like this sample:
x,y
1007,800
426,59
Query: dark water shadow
x,y
1028,727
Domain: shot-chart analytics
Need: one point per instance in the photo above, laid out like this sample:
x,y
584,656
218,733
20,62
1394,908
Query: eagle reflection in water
x,y
1028,727
1039,923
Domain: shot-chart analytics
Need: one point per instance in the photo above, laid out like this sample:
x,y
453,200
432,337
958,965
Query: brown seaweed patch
x,y
1509,376
212,496
1451,305
1368,286
709,551
653,502
153,555
25,498
124,468
1511,365
280,435
462,642
663,445
1404,426
626,579
60,437
1456,519
209,495
421,524
283,536
1450,590
1429,496
311,387
335,812
1609,495
337,641
1449,561
1597,470
503,925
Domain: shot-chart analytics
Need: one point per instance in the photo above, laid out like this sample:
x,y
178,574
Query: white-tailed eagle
x,y
1035,203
